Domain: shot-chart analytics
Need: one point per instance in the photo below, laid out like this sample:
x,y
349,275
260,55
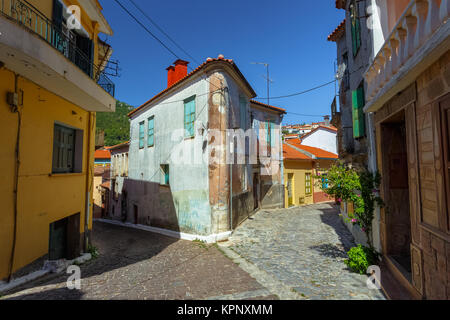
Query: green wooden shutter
x,y
358,112
272,134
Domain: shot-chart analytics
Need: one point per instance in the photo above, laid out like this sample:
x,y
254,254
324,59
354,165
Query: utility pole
x,y
268,79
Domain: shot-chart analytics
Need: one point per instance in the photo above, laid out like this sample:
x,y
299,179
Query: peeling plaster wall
x,y
184,206
272,188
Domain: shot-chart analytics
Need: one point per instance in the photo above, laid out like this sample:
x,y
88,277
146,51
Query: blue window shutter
x,y
272,134
189,116
167,175
151,132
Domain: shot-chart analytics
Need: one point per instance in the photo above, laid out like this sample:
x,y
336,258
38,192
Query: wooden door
x,y
290,189
255,191
58,240
445,136
136,214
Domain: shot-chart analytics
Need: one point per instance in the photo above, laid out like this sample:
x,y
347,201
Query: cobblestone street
x,y
293,253
135,264
302,249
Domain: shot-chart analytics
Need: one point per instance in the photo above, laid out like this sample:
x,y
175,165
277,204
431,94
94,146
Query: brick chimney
x,y
177,72
170,76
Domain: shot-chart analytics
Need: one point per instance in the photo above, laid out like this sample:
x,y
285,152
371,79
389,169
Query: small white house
x,y
322,137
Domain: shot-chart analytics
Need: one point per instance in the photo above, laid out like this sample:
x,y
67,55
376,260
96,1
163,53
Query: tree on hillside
x,y
115,124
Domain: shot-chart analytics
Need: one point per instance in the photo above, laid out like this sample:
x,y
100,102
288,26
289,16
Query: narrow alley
x,y
293,253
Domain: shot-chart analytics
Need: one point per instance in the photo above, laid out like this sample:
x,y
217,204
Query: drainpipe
x,y
231,197
15,109
91,123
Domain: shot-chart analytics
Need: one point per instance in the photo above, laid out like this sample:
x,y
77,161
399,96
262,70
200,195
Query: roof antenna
x,y
269,81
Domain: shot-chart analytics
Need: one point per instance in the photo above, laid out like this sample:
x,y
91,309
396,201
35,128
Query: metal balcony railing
x,y
59,37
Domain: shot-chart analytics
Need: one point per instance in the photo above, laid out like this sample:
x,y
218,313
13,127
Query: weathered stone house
x,y
182,176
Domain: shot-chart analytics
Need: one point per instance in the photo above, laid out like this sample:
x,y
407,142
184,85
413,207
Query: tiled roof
x,y
268,106
99,171
317,152
199,68
337,33
117,146
332,128
106,185
102,154
290,153
340,4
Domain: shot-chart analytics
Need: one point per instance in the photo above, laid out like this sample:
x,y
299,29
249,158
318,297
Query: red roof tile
x,y
337,33
319,153
99,171
289,153
118,145
106,185
102,154
200,67
340,4
332,128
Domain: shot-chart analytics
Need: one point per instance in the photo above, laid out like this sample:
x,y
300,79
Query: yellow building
x,y
301,166
51,85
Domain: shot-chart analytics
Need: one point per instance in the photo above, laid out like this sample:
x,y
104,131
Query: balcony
x,y
34,47
420,36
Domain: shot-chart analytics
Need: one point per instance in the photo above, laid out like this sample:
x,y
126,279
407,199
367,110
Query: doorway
x,y
255,191
290,190
396,193
136,214
64,238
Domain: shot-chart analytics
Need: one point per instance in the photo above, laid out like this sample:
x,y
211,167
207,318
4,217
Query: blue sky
x,y
288,34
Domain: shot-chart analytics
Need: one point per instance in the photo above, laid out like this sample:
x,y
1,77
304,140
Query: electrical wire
x,y
179,47
162,31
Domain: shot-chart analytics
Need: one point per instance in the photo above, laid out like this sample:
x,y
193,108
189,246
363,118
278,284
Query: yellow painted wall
x,y
42,197
298,168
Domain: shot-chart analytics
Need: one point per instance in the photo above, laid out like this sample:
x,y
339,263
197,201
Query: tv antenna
x,y
269,81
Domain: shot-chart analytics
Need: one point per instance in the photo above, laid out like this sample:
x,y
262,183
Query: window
x,y
358,102
324,181
244,178
189,117
356,27
308,189
346,78
67,150
243,112
151,132
270,130
141,135
166,174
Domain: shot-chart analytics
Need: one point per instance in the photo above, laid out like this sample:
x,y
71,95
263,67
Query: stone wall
x,y
428,208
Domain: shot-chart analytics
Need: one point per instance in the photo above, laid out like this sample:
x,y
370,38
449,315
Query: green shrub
x,y
360,258
93,251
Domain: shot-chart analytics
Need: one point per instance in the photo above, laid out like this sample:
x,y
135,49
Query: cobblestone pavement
x,y
135,264
302,250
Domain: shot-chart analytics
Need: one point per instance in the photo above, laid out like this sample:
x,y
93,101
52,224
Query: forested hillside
x,y
115,124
